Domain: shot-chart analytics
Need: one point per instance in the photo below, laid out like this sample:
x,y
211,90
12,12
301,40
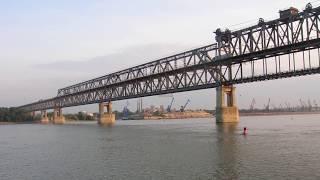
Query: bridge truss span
x,y
281,48
161,66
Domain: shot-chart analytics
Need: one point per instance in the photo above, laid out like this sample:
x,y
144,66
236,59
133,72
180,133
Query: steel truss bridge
x,y
281,48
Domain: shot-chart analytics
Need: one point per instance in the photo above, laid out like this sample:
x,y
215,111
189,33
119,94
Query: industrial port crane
x,y
170,105
267,107
303,104
253,102
184,107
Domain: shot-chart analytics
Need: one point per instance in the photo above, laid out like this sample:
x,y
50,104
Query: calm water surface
x,y
277,147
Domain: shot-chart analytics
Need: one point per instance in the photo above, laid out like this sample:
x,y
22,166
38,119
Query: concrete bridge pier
x,y
107,118
44,117
226,107
58,117
33,114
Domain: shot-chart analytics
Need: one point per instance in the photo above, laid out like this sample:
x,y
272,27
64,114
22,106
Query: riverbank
x,y
6,123
172,115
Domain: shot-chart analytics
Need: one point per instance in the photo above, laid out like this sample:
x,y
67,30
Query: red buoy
x,y
245,131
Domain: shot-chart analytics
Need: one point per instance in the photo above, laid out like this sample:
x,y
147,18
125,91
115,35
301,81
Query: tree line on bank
x,y
14,115
71,117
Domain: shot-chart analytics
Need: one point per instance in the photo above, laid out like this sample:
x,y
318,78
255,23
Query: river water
x,y
276,147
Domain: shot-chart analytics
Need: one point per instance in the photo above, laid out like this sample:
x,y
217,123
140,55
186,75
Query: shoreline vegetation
x,y
14,115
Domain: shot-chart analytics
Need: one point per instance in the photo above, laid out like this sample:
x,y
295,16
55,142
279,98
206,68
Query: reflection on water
x,y
227,151
278,147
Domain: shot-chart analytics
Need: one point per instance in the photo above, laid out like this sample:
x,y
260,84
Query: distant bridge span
x,y
281,48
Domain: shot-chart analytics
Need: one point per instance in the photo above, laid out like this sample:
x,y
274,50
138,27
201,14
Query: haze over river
x,y
276,147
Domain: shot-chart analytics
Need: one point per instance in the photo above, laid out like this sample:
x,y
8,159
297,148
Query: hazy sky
x,y
46,45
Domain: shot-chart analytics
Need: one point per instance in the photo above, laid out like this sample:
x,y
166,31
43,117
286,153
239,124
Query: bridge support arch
x,y
107,118
226,107
58,116
44,117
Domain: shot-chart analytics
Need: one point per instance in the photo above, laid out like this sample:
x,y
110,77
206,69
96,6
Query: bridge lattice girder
x,y
276,49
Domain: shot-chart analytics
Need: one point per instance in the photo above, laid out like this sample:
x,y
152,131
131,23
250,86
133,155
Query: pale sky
x,y
47,45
